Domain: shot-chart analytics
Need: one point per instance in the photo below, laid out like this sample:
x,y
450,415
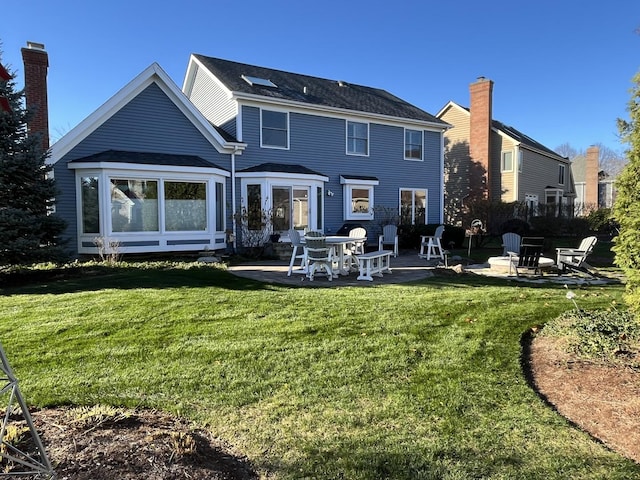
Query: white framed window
x,y
506,165
274,129
553,200
561,172
357,138
413,206
413,144
147,210
520,161
358,197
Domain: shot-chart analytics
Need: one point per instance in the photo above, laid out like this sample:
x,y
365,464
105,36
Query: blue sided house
x,y
159,169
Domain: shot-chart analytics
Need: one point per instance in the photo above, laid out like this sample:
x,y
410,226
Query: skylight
x,y
263,82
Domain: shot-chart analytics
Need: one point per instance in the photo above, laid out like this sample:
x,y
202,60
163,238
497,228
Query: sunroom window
x,y
134,205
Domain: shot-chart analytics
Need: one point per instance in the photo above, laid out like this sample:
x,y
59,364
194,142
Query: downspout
x,y
442,178
516,174
233,196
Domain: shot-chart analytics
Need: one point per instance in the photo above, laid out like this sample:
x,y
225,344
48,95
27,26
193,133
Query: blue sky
x,y
562,69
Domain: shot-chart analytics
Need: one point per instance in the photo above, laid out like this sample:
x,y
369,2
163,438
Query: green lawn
x,y
415,381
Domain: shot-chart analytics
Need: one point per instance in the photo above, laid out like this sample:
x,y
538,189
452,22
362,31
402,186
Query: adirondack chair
x,y
389,237
528,257
358,232
511,243
574,259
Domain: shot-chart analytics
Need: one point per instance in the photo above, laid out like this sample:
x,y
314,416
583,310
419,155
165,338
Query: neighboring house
x,y
595,188
150,172
322,152
486,159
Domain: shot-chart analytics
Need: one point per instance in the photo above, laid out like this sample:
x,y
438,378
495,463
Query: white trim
x,y
251,100
137,167
152,74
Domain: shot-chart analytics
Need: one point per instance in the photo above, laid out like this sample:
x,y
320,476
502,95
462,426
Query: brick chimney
x,y
36,65
591,177
481,93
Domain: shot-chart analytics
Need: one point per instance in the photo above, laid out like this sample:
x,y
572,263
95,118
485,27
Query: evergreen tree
x,y
626,209
28,231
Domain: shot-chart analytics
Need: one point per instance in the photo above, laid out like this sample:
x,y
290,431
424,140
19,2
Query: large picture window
x,y
134,205
357,138
413,206
185,206
275,129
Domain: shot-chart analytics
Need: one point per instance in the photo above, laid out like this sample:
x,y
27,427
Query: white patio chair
x,y
511,243
433,244
361,233
389,237
319,255
297,253
575,258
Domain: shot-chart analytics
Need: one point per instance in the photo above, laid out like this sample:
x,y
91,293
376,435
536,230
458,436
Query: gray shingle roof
x,y
319,91
524,139
148,158
281,168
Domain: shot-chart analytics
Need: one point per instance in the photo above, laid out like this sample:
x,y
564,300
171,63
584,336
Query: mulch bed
x,y
603,400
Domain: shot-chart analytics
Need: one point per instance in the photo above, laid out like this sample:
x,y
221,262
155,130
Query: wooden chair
x,y
511,243
433,244
575,258
389,237
319,255
298,253
528,257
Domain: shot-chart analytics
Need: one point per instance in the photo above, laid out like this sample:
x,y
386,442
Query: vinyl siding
x,y
538,172
457,163
319,144
148,123
214,102
502,183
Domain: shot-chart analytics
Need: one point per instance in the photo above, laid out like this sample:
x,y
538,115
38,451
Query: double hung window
x,y
357,138
274,129
413,144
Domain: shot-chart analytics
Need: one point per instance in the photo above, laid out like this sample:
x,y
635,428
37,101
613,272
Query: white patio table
x,y
340,243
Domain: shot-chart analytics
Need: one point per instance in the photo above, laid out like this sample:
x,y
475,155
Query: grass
x,y
416,381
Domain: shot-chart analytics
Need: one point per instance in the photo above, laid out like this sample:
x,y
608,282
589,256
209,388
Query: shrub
x,y
602,221
602,334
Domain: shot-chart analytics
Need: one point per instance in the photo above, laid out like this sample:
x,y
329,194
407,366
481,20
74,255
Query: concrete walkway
x,y
406,267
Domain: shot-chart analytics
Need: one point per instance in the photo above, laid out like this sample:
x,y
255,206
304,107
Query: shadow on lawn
x,y
102,276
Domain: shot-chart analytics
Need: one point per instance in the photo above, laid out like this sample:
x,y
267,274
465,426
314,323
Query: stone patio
x,y
406,267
